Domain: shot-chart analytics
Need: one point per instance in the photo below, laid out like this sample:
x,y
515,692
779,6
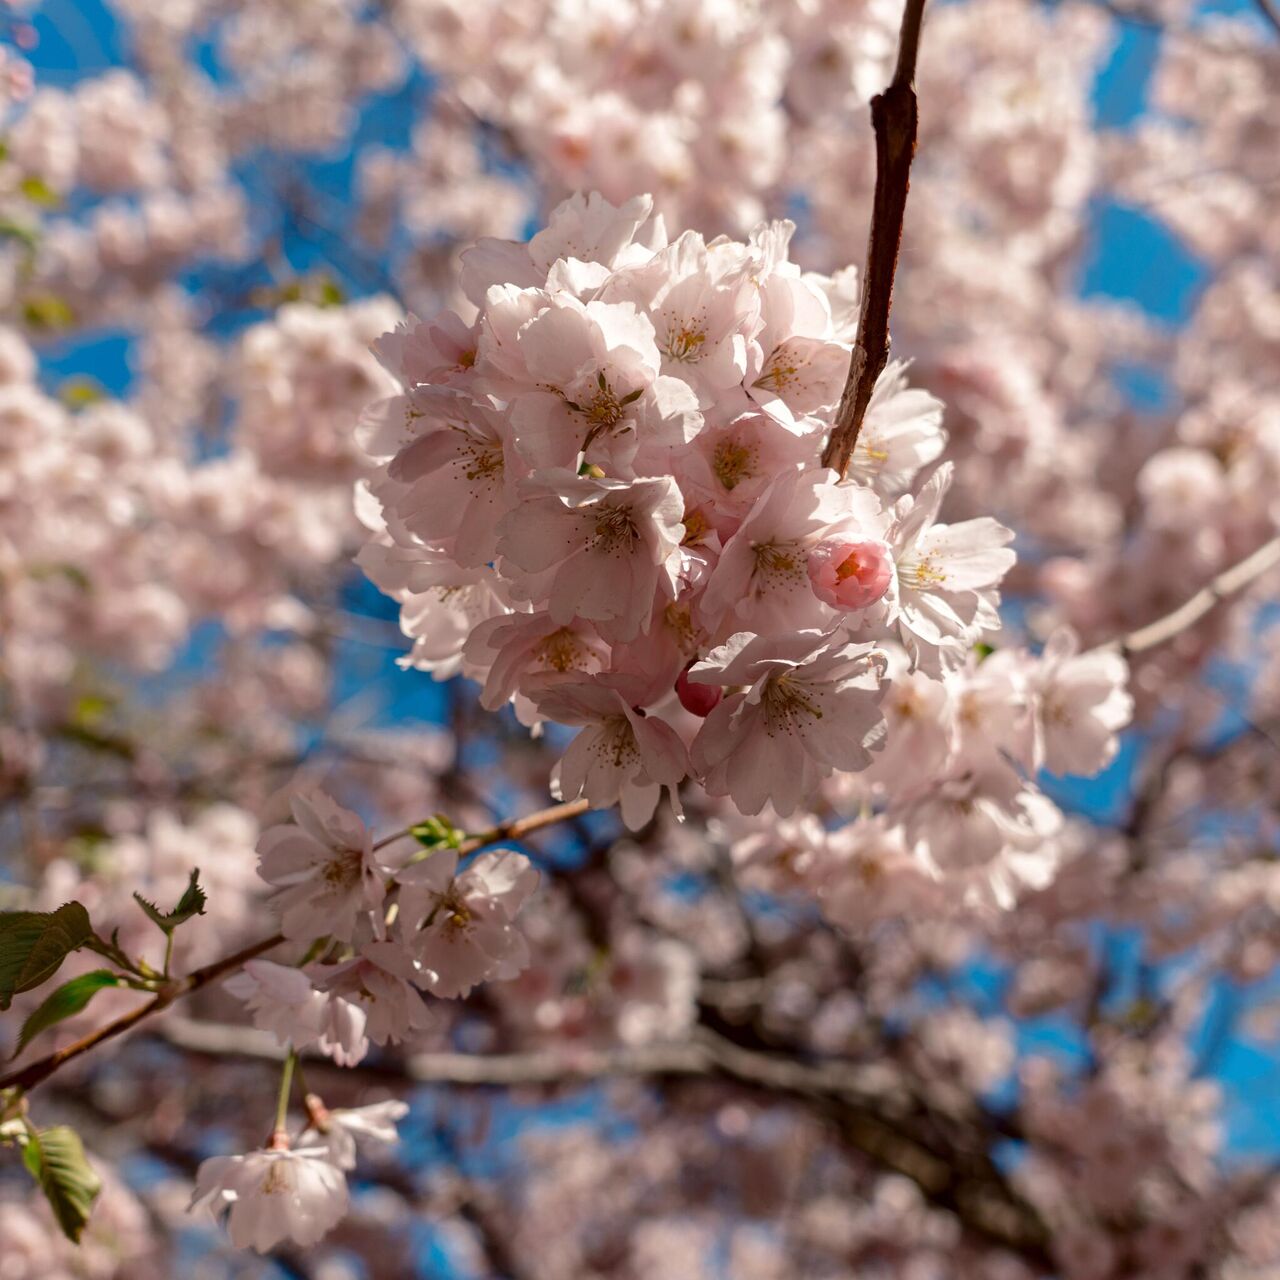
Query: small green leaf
x,y
79,392
38,191
632,396
192,903
329,293
67,1000
12,230
71,572
983,651
47,311
437,833
55,1159
33,945
89,709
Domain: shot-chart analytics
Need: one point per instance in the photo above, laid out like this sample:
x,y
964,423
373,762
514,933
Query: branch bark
x,y
1228,583
1271,13
882,1116
894,117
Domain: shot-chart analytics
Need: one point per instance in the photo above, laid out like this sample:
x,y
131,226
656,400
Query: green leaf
x,y
983,650
79,392
329,293
55,1159
68,999
33,945
73,574
13,230
437,833
38,191
47,311
192,903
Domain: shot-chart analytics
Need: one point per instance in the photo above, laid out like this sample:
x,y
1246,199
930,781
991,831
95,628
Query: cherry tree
x,y
537,742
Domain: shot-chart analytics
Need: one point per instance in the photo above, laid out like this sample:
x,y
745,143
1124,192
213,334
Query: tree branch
x,y
511,829
32,1074
1228,583
1271,13
894,117
876,1113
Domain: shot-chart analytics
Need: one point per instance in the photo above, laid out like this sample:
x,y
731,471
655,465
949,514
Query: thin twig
x,y
1228,583
30,1076
894,117
1270,12
512,829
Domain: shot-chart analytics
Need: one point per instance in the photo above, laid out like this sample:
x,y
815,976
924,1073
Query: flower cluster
x,y
604,499
383,930
447,930
294,1191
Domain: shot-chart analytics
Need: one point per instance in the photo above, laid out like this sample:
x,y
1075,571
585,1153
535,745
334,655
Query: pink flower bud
x,y
850,575
698,699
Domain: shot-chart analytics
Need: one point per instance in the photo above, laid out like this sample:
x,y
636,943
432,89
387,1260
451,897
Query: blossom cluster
x,y
451,929
294,1191
604,499
384,931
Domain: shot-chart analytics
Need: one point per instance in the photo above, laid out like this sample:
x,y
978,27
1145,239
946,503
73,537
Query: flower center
x,y
617,742
733,463
779,375
695,527
849,567
561,651
605,410
777,560
343,869
615,529
922,573
483,464
786,704
684,343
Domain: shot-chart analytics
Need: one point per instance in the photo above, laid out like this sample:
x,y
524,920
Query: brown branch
x,y
1271,13
894,117
512,829
892,1122
32,1074
1227,584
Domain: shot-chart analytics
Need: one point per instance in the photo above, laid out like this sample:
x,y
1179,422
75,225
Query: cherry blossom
x,y
340,1132
587,471
811,706
271,1196
324,869
459,925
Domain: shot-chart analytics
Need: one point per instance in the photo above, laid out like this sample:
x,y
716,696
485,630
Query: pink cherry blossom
x,y
850,575
460,926
324,870
811,706
271,1196
622,756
